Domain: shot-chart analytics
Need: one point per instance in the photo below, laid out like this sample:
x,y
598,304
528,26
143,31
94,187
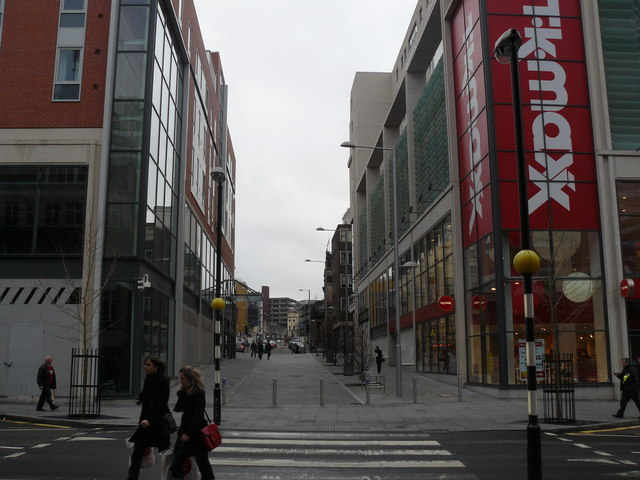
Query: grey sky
x,y
290,65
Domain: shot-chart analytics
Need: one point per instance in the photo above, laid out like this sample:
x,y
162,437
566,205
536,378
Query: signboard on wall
x,y
522,350
471,122
556,114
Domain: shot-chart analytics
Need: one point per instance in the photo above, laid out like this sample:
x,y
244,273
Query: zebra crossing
x,y
334,456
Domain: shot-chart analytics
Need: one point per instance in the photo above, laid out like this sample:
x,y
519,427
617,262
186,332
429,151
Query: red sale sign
x,y
471,121
558,137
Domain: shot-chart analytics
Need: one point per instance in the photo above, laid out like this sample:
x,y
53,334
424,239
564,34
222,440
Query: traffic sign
x,y
445,303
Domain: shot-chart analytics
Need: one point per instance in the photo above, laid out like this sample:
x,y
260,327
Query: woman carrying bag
x,y
191,402
154,398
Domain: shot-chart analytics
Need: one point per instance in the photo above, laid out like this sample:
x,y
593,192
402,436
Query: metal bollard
x,y
275,391
459,388
322,392
415,389
224,390
367,388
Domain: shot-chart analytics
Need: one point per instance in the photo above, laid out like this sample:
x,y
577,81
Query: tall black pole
x,y
217,397
534,448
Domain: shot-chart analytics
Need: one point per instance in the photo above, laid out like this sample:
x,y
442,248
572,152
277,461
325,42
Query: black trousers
x,y
136,460
202,459
45,394
624,399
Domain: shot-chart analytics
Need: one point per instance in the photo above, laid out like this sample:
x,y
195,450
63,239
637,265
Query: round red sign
x,y
627,287
445,303
478,303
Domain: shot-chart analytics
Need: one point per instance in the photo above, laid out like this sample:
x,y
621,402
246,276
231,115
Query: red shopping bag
x,y
211,435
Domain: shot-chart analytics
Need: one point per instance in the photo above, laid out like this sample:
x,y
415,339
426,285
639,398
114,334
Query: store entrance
x,y
633,323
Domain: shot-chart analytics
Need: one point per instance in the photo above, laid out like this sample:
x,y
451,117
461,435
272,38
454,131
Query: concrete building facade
x,y
446,111
107,206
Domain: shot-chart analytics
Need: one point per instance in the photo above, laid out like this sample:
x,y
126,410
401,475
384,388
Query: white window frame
x,y
1,18
72,11
67,82
66,43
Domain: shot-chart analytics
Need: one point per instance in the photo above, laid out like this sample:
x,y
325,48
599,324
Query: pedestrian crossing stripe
x,y
289,463
329,451
335,443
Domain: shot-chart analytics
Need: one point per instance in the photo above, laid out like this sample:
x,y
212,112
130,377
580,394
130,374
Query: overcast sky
x,y
289,65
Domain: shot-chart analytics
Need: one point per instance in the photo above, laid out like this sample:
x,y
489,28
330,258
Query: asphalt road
x,y
37,451
595,454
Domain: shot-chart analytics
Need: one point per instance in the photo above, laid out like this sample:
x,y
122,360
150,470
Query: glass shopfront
x,y
436,346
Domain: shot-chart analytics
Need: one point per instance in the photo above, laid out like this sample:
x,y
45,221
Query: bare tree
x,y
82,307
362,353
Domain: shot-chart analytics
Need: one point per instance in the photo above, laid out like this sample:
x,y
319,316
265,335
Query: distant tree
x,y
362,353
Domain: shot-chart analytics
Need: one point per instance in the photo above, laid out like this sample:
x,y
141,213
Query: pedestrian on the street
x,y
628,385
47,382
260,349
267,349
254,347
154,398
191,402
379,359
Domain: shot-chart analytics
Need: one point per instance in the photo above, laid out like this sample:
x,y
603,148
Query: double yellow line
x,y
37,424
617,429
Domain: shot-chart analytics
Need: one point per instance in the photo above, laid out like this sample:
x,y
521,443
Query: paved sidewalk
x,y
250,402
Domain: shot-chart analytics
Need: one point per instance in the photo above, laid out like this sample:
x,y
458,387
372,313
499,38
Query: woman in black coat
x,y
191,402
154,398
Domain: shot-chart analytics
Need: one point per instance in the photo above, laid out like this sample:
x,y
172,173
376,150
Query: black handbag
x,y
169,424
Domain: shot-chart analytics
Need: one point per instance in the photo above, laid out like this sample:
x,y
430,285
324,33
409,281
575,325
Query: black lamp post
x,y
526,262
218,176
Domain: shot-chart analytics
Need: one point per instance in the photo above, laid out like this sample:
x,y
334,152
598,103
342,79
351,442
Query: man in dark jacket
x,y
628,385
47,382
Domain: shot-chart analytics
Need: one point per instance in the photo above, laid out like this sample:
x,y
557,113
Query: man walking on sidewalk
x,y
47,383
628,385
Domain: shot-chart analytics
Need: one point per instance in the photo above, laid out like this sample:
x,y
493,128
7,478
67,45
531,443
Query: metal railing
x,y
558,390
84,393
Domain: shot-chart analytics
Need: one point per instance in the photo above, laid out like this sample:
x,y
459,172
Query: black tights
x,y
202,459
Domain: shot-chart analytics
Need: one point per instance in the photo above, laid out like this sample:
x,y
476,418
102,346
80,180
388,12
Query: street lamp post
x,y
526,262
218,176
396,266
319,336
308,307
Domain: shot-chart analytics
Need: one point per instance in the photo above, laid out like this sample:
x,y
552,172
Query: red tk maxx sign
x,y
445,303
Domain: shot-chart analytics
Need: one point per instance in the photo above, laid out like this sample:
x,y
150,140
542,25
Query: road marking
x,y
41,445
91,439
328,451
565,439
61,439
290,463
581,445
592,460
550,434
18,422
617,429
354,443
628,462
11,448
604,454
15,455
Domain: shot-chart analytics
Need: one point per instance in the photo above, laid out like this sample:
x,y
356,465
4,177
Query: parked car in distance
x,y
240,347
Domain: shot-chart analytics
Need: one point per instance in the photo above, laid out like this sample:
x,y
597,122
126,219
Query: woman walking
x,y
154,398
191,402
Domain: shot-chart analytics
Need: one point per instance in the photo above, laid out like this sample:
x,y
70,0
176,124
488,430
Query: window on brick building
x,y
68,67
1,11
